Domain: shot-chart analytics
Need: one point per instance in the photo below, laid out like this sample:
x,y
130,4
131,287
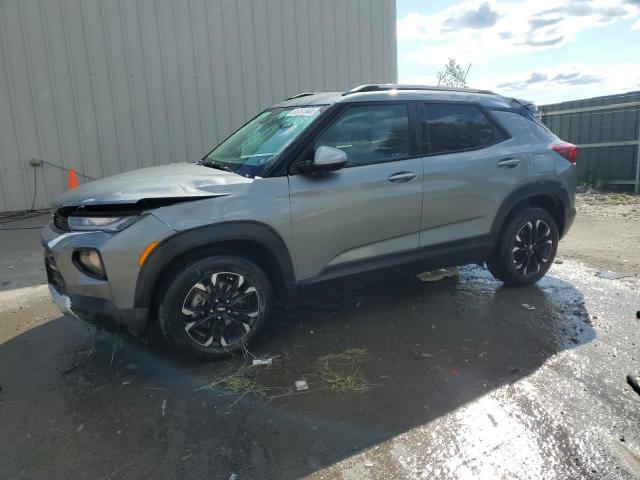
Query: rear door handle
x,y
401,177
508,162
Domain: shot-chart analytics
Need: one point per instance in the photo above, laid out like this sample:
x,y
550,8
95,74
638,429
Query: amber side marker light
x,y
143,256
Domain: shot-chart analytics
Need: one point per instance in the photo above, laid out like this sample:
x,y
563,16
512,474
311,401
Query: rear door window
x,y
370,134
455,127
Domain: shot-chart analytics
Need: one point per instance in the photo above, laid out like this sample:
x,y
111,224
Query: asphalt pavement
x,y
448,379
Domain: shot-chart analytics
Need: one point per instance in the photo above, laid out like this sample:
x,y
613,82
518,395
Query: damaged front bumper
x,y
62,301
105,302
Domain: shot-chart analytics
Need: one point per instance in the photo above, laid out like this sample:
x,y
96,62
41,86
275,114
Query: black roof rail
x,y
302,94
381,87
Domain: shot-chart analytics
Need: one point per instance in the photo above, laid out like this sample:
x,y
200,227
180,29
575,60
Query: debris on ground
x,y
633,383
236,380
368,463
163,408
301,385
526,306
638,314
559,261
427,355
233,476
437,275
610,275
339,371
261,361
80,427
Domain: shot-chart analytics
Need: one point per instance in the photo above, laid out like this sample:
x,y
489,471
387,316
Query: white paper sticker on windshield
x,y
303,112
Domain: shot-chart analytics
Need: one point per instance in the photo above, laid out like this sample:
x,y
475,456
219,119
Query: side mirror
x,y
326,159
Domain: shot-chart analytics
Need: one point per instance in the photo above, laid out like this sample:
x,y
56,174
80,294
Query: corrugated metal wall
x,y
105,86
607,129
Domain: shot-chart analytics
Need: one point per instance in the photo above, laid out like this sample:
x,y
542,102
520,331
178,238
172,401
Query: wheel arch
x,y
253,240
551,196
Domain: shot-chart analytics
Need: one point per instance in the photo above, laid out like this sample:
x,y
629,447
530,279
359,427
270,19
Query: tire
x,y
533,259
214,306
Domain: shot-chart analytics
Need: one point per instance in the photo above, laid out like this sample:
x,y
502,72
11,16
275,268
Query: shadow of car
x,y
431,348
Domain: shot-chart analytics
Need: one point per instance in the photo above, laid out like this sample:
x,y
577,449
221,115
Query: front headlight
x,y
105,224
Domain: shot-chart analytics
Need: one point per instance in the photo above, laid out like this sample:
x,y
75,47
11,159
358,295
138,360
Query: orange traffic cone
x,y
73,180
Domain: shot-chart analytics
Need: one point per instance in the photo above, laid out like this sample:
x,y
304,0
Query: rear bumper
x,y
100,312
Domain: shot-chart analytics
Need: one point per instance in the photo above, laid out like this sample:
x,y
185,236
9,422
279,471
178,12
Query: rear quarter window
x,y
452,127
523,129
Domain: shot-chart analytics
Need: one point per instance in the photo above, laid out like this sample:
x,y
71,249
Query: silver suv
x,y
322,187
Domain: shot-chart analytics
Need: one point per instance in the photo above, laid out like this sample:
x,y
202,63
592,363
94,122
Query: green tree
x,y
453,75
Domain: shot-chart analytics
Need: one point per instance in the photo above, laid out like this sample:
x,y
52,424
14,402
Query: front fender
x,y
209,236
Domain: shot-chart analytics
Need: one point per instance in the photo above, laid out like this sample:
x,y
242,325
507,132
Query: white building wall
x,y
106,86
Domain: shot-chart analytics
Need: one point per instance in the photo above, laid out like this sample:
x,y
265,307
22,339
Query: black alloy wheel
x,y
526,248
221,308
214,306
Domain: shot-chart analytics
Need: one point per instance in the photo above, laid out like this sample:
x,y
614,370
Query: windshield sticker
x,y
303,112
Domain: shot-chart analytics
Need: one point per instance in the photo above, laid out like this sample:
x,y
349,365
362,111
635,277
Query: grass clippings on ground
x,y
337,371
240,380
340,371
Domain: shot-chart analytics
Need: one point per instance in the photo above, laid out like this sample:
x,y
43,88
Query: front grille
x,y
53,274
61,221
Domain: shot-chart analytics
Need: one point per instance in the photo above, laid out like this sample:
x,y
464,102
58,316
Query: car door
x,y
469,169
368,213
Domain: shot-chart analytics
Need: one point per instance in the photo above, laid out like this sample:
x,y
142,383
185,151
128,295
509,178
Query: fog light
x,y
89,262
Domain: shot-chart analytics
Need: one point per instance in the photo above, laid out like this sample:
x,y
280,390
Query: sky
x,y
545,51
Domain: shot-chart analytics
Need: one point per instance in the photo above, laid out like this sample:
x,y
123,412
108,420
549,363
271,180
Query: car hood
x,y
175,180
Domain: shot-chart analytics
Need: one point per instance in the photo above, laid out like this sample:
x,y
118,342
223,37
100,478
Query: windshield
x,y
249,150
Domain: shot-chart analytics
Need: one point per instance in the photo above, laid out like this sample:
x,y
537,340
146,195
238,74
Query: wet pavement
x,y
463,382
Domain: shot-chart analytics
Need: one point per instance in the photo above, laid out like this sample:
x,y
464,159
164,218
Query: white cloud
x,y
547,85
479,30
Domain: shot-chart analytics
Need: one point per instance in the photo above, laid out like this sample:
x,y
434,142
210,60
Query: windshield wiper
x,y
209,162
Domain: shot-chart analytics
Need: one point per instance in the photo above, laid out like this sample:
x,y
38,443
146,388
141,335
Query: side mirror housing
x,y
325,159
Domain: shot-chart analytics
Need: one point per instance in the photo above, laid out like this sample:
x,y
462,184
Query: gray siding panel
x,y
106,86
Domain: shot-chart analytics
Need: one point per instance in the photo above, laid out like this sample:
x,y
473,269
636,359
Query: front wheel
x,y
526,248
214,306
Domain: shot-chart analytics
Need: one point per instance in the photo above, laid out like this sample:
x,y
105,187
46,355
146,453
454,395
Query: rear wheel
x,y
215,306
526,248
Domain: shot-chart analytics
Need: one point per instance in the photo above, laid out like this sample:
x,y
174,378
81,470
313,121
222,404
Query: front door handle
x,y
508,162
401,177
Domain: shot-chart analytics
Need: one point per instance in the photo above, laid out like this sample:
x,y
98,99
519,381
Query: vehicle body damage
x,y
319,188
176,180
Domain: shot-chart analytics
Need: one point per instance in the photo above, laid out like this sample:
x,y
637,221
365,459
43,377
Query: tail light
x,y
567,150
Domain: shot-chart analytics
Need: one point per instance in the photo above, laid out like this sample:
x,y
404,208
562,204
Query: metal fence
x,y
607,130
